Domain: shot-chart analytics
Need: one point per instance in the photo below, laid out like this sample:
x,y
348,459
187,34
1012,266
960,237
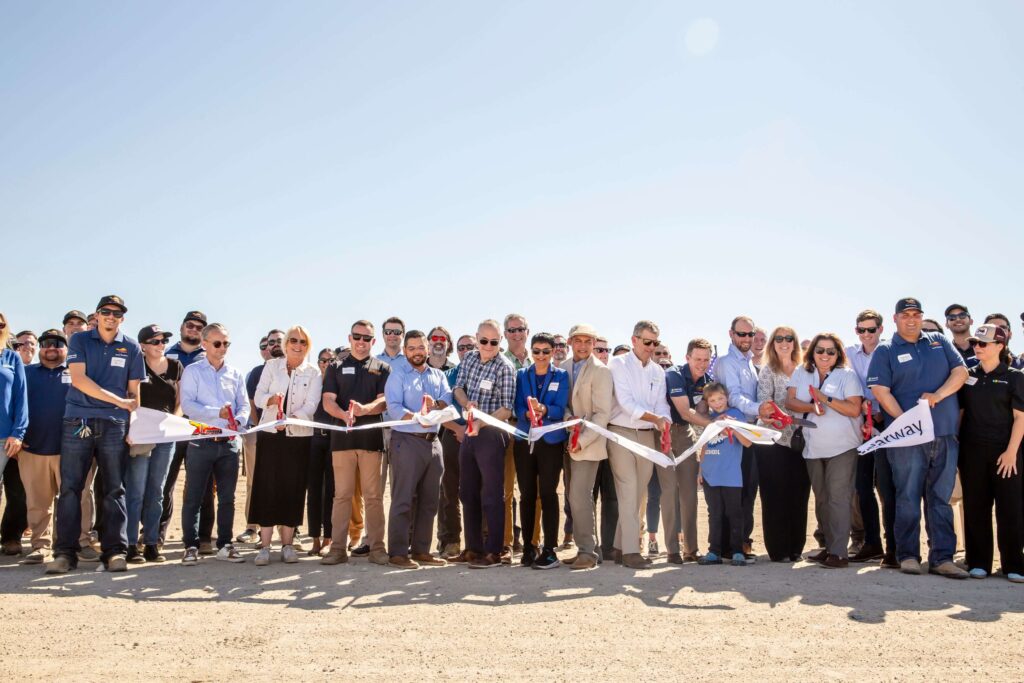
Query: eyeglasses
x,y
156,342
541,352
274,342
561,345
824,352
958,316
362,337
3,326
866,330
193,326
52,344
515,330
601,349
465,347
300,342
492,342
660,353
217,344
17,345
744,334
107,312
649,342
439,338
392,333
788,338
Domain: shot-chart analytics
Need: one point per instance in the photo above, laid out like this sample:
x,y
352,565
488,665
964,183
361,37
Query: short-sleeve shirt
x,y
835,433
720,465
47,392
361,381
252,381
988,400
910,369
679,382
111,366
970,359
160,391
186,358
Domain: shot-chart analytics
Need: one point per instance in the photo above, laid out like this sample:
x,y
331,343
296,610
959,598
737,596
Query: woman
x,y
831,447
148,465
13,404
290,387
546,389
320,487
991,430
785,486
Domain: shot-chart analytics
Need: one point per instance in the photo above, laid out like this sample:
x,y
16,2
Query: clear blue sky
x,y
272,163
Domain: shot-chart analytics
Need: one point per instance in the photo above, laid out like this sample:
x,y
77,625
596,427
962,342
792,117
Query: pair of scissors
x,y
781,420
868,427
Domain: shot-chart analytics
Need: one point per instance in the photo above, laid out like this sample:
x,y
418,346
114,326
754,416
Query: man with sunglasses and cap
x,y
106,369
959,322
917,365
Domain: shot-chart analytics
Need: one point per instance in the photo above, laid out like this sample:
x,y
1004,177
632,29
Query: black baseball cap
x,y
151,332
112,300
953,307
198,316
908,304
71,315
54,334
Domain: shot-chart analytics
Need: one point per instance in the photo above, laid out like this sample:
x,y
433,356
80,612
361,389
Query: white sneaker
x,y
289,555
191,556
262,557
229,554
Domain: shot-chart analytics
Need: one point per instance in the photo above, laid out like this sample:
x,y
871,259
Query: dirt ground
x,y
772,621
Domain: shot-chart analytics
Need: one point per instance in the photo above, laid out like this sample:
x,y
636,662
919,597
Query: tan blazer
x,y
591,397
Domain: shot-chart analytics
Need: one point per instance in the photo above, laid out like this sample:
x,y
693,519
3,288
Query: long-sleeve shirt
x,y
491,385
639,389
736,371
13,396
405,390
550,389
205,390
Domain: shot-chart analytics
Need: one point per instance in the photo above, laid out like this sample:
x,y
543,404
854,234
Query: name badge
x,y
698,398
553,386
830,387
65,378
971,381
904,357
117,362
348,371
172,356
486,385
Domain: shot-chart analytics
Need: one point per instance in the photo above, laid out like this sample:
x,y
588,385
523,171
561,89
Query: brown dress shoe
x,y
465,557
428,560
12,548
634,561
584,562
402,562
488,561
506,555
691,557
818,557
617,555
675,558
834,562
868,553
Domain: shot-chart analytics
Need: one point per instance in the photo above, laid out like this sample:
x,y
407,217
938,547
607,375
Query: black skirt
x,y
279,479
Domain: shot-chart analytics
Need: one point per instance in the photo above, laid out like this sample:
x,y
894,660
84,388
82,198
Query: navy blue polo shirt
x,y
111,366
970,360
679,382
911,369
186,358
47,392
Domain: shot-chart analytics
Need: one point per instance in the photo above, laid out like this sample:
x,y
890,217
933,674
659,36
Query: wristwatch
x,y
828,399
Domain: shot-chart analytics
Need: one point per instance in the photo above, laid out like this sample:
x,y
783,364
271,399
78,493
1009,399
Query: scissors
x,y
816,400
666,441
232,424
575,440
781,420
868,426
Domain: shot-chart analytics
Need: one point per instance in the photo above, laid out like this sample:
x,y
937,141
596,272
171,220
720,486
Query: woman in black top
x,y
991,430
148,465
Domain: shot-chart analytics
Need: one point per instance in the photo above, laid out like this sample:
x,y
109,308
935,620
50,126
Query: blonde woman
x,y
289,387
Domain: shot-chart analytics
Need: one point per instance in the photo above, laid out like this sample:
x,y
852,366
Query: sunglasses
x,y
107,312
393,333
300,342
957,316
541,352
17,345
561,345
980,344
156,342
465,347
661,353
263,346
217,344
824,352
744,334
492,342
3,326
788,338
515,330
650,342
602,349
439,338
52,344
324,360
274,342
866,330
362,337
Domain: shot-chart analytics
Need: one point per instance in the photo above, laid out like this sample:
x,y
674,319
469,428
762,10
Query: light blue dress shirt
x,y
405,390
204,391
736,371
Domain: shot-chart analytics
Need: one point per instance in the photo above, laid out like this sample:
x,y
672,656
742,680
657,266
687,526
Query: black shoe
x,y
608,555
152,554
529,555
547,560
889,562
867,553
361,551
134,556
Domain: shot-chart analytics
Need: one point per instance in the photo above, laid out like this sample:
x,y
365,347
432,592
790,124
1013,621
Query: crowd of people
x,y
68,462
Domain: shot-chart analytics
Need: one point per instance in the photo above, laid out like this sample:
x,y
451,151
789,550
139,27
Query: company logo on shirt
x,y
123,349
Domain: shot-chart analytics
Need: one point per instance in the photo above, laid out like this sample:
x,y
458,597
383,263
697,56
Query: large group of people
x,y
464,491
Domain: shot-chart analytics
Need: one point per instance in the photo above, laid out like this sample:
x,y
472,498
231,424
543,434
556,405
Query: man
x,y
212,392
590,398
561,350
39,459
959,322
910,367
441,346
868,329
663,356
393,330
737,372
640,413
601,350
26,344
449,518
517,333
74,322
106,368
187,351
354,394
417,463
1001,321
620,350
486,383
757,347
684,385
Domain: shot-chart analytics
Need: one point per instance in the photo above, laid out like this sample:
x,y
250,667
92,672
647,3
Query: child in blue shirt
x,y
723,480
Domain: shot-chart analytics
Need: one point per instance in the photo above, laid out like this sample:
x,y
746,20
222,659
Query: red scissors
x,y
818,408
280,407
868,423
574,442
781,420
535,420
469,423
232,423
351,418
666,440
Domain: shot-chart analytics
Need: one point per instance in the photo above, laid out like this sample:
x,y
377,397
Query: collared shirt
x,y
835,433
970,360
736,371
491,385
721,462
679,382
186,358
516,363
111,366
861,361
639,389
910,369
988,400
14,412
205,390
252,380
362,381
405,390
577,365
550,389
395,361
47,392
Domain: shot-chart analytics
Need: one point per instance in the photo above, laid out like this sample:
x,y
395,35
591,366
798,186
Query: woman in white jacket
x,y
289,387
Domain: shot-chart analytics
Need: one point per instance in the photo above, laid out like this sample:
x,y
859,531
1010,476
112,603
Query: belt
x,y
221,439
427,436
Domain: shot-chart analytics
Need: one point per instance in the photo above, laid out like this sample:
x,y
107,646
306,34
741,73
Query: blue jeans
x,y
927,471
144,492
106,440
208,458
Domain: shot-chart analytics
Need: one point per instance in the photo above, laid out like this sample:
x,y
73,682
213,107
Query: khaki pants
x,y
249,456
581,502
40,475
367,464
631,474
355,522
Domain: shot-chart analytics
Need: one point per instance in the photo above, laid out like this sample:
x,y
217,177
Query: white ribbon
x,y
492,421
754,433
912,428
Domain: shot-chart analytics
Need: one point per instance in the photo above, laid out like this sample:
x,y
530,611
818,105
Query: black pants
x,y
785,492
604,484
866,501
206,517
320,486
15,519
725,517
982,486
545,464
449,517
750,479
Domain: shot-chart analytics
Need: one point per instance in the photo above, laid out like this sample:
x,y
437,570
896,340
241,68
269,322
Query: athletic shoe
x,y
1014,577
191,556
229,554
361,551
978,573
289,554
528,556
547,559
652,548
117,563
263,557
739,560
247,536
37,556
88,554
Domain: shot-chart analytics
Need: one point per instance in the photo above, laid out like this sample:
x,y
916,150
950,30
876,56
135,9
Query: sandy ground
x,y
305,620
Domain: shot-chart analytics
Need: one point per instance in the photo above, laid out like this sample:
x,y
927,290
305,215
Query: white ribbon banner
x,y
912,428
754,433
657,457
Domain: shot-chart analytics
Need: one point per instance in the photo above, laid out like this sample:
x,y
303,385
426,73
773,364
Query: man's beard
x,y
418,361
277,352
194,341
